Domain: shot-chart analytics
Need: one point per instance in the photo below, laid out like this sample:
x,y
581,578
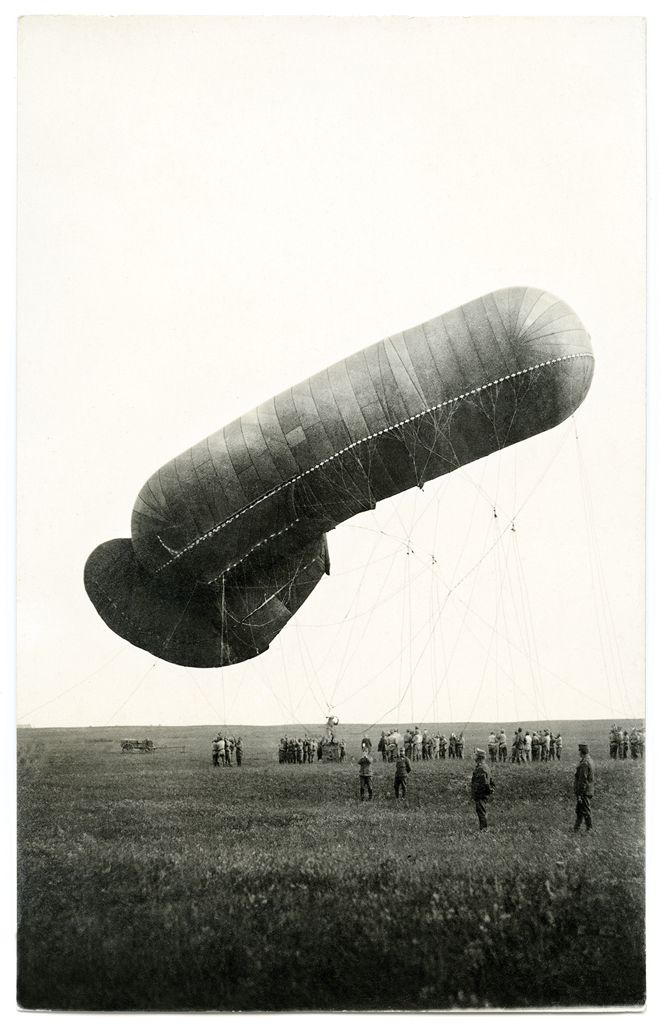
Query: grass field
x,y
155,881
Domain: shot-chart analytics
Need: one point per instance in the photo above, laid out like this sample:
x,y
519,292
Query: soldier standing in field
x,y
481,788
584,788
612,742
402,769
239,752
365,776
215,751
502,745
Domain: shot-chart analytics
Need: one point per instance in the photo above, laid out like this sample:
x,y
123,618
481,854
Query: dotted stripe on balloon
x,y
354,444
278,533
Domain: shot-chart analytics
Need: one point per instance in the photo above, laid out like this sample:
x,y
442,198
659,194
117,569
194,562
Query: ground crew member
x,y
215,751
365,776
402,769
239,751
481,787
584,788
612,742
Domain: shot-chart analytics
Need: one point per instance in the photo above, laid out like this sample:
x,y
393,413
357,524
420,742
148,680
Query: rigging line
x,y
354,602
439,614
470,525
450,591
361,568
486,553
236,692
594,586
132,693
611,631
410,644
282,707
528,631
484,671
518,606
377,676
367,611
409,590
310,688
433,672
483,646
62,693
401,653
287,681
427,642
438,683
498,591
493,626
524,502
509,645
432,579
438,621
304,646
540,666
368,620
206,698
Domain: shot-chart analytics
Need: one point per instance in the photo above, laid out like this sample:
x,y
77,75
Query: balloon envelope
x,y
228,539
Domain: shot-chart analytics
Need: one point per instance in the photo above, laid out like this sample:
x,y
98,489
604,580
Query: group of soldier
x,y
482,784
538,745
365,774
225,749
420,745
622,743
306,750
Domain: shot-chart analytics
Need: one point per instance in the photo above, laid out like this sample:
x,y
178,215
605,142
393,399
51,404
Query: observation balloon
x,y
229,538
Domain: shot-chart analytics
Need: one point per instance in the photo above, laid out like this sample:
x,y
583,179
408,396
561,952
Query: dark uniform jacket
x,y
481,784
584,777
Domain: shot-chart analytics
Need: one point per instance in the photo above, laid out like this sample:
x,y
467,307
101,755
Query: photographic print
x,y
331,512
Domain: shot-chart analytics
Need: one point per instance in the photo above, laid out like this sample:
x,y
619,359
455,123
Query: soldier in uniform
x,y
612,742
481,787
584,788
402,769
215,751
365,776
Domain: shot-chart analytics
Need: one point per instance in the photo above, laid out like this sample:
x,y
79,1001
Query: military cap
x,y
583,748
480,753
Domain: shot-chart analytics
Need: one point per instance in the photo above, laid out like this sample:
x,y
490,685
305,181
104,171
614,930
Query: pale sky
x,y
211,210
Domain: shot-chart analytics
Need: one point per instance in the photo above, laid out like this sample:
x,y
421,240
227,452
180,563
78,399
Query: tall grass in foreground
x,y
157,882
